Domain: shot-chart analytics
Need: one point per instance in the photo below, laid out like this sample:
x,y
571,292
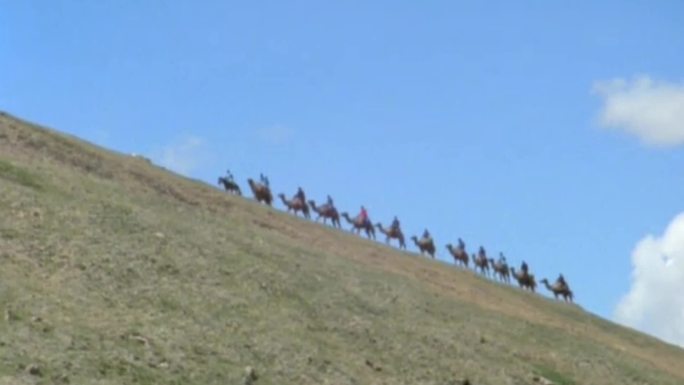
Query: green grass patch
x,y
9,233
16,174
551,374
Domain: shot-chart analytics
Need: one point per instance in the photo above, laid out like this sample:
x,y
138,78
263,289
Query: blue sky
x,y
521,126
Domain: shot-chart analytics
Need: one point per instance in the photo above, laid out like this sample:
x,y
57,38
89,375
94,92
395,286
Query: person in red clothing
x,y
363,215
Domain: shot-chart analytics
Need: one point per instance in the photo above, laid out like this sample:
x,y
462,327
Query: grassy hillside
x,y
115,271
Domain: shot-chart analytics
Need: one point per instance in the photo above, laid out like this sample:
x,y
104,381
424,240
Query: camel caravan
x,y
497,270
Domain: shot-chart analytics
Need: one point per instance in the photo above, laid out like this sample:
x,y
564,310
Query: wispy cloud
x,y
276,134
655,303
183,156
651,110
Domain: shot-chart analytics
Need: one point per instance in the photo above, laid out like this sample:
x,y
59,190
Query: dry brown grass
x,y
115,271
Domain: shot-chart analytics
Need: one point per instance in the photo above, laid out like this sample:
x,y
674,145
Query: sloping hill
x,y
115,271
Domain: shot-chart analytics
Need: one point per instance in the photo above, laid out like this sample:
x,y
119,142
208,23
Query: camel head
x,y
544,281
415,239
282,196
449,247
312,203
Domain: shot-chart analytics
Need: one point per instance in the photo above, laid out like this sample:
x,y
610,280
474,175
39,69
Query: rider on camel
x,y
561,281
395,224
364,215
502,258
264,179
330,201
300,195
426,234
461,244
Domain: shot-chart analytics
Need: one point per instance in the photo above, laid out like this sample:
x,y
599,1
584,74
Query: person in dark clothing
x,y
561,281
426,234
330,201
264,179
395,224
300,194
482,252
461,244
523,267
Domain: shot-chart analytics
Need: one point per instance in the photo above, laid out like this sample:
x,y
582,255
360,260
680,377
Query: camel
x,y
392,233
294,205
482,264
425,245
326,211
525,281
559,289
261,192
460,255
500,269
229,185
358,225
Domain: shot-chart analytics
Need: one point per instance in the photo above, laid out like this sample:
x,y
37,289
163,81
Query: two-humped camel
x,y
295,205
500,269
392,233
358,225
326,212
525,280
460,255
261,192
425,245
559,289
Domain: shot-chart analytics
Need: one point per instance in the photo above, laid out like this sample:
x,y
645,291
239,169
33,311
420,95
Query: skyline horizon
x,y
502,124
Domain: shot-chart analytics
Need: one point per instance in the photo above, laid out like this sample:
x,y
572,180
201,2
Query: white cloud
x,y
655,302
184,156
651,110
